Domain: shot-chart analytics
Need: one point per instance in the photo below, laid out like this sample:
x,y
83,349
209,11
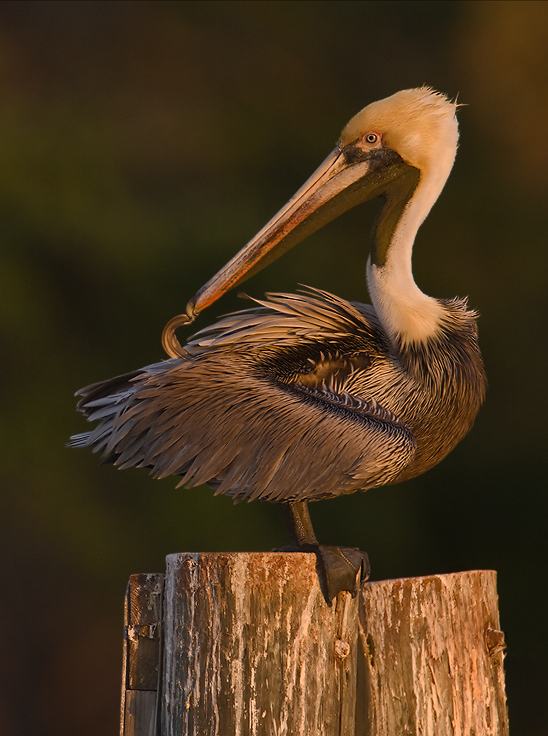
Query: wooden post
x,y
431,657
251,649
141,661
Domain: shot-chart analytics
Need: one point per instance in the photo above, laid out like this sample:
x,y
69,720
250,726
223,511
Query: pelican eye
x,y
372,138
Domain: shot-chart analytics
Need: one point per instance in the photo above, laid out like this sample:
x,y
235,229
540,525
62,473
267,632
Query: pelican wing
x,y
282,319
244,414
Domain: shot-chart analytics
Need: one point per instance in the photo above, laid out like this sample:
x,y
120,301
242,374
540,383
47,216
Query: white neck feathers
x,y
404,310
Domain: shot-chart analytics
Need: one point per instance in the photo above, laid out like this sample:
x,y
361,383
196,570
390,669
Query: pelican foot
x,y
338,569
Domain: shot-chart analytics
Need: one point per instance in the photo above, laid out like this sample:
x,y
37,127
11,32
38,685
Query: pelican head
x,y
401,149
419,124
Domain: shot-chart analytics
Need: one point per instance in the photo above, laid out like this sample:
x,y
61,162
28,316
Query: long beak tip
x,y
191,310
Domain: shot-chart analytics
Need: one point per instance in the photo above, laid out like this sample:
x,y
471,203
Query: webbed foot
x,y
338,569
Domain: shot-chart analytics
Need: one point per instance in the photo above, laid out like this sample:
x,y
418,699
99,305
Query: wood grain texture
x,y
140,713
141,656
251,648
124,664
432,657
143,630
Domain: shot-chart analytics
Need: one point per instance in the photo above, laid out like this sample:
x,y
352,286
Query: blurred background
x,y
141,145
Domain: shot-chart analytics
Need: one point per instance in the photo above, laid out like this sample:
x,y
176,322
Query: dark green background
x,y
141,145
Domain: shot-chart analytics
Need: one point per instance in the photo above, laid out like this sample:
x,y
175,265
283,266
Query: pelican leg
x,y
299,522
337,567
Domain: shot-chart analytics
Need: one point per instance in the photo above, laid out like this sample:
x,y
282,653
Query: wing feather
x,y
218,417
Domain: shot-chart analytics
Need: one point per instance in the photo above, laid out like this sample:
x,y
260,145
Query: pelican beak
x,y
347,177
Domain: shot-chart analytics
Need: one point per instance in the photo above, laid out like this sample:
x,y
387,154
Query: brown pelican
x,y
307,396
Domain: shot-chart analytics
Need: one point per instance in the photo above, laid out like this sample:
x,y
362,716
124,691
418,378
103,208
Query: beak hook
x,y
170,343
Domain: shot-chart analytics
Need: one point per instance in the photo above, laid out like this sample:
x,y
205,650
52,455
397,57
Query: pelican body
x,y
307,396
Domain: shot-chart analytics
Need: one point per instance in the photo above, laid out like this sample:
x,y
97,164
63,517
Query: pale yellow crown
x,y
419,124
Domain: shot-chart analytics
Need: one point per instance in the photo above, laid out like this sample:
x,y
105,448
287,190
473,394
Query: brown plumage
x,y
298,399
307,396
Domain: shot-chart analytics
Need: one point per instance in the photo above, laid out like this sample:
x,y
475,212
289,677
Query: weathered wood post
x,y
141,655
431,657
250,648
